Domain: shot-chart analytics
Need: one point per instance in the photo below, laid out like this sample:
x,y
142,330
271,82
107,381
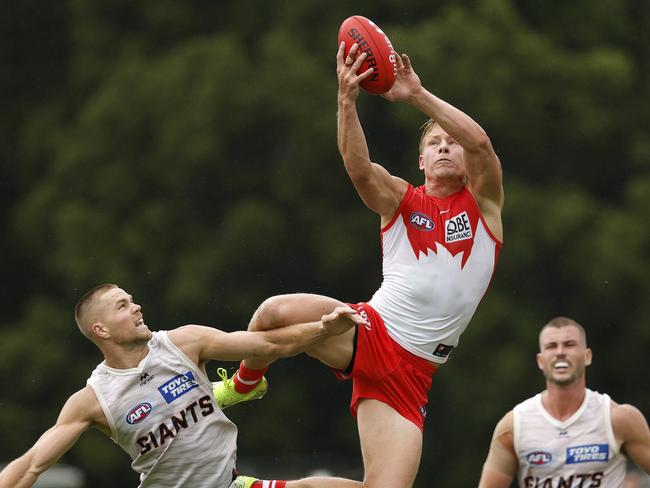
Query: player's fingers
x,y
329,316
405,61
341,310
340,52
359,61
365,74
338,312
352,55
399,61
358,319
352,314
345,309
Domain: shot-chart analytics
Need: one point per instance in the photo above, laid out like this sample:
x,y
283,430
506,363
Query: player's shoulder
x,y
626,415
191,333
192,339
505,424
83,405
528,405
400,187
83,396
401,184
185,337
504,431
627,421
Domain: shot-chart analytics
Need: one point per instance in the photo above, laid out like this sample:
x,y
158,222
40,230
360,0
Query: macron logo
x,y
177,386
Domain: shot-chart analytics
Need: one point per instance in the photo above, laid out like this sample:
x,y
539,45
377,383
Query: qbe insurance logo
x,y
458,228
177,386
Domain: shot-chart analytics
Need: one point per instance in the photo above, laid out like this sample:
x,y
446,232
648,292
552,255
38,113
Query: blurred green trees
x,y
187,150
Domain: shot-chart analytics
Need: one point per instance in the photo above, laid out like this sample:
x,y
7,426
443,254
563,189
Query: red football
x,y
380,53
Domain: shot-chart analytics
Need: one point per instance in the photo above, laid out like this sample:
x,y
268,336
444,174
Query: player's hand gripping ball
x,y
380,54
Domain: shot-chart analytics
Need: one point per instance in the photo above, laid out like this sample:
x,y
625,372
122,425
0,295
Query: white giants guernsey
x,y
580,452
163,414
438,260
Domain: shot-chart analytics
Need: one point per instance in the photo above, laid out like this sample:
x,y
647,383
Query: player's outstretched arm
x,y
206,343
75,417
379,190
631,427
500,466
482,164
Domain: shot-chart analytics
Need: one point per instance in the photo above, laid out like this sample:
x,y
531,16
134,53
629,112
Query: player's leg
x,y
391,446
280,311
323,482
314,482
284,310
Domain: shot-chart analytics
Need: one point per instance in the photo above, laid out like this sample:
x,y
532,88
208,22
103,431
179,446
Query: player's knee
x,y
378,476
375,482
268,315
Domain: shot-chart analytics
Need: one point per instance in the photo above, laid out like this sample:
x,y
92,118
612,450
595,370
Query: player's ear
x,y
538,358
421,161
99,330
588,357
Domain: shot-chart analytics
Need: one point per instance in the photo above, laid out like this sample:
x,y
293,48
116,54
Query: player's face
x,y
442,156
123,318
563,354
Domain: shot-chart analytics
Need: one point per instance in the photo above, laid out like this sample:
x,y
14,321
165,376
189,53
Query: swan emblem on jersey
x,y
456,235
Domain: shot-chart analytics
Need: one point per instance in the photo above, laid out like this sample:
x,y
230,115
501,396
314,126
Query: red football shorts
x,y
383,370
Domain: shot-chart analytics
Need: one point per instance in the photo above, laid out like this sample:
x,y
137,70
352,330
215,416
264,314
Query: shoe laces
x,y
223,374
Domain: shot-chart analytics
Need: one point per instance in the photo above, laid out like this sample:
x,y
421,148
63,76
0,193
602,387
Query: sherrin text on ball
x,y
380,55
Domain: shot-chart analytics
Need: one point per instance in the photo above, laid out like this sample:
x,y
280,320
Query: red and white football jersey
x,y
438,259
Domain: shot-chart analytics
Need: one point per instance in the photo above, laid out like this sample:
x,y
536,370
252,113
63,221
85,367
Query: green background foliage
x,y
187,151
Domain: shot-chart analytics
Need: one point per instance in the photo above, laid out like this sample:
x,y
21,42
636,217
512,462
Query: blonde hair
x,y
424,130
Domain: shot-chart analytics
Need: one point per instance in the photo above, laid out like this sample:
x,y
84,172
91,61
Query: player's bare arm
x,y
202,343
501,464
380,191
631,429
482,164
81,411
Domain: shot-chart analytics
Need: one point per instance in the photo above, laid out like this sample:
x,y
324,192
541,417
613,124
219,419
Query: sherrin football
x,y
380,53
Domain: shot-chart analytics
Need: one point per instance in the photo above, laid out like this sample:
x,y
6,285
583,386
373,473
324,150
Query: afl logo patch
x,y
539,458
138,413
421,221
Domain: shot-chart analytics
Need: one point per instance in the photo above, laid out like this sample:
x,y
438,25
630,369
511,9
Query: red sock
x,y
247,379
269,484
